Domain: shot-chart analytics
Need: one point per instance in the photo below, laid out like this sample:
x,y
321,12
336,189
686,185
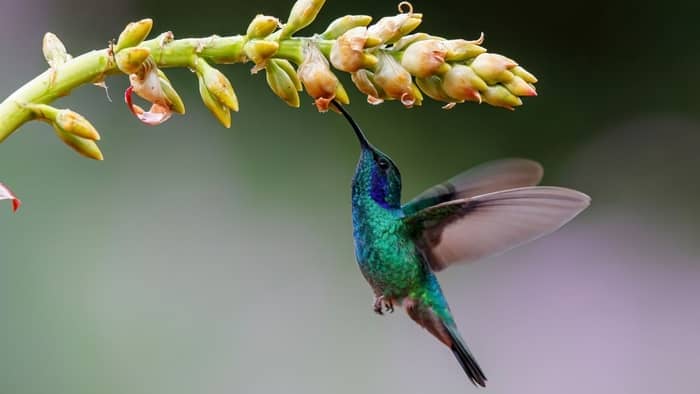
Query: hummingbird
x,y
483,211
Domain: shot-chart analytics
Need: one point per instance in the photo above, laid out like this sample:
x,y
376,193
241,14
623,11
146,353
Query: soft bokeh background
x,y
196,259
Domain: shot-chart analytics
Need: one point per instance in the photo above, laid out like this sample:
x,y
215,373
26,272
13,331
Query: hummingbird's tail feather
x,y
465,358
443,329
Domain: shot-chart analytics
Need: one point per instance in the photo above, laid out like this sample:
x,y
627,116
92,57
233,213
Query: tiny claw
x,y
377,305
389,306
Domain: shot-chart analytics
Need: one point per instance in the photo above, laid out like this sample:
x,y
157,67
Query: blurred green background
x,y
197,259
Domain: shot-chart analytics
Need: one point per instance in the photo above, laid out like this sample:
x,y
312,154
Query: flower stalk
x,y
386,60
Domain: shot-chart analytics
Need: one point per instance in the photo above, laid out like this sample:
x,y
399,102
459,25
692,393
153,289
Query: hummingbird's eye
x,y
382,163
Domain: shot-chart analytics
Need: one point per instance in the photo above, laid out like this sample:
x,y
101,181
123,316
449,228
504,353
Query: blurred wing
x,y
465,230
485,178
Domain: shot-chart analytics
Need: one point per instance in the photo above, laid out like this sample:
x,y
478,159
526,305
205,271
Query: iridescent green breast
x,y
387,256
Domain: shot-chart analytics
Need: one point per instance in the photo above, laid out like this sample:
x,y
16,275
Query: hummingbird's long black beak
x,y
358,132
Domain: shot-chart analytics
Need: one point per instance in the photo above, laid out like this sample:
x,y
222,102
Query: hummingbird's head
x,y
376,174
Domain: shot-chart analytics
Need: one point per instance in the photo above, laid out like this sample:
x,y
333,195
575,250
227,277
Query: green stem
x,y
52,84
94,66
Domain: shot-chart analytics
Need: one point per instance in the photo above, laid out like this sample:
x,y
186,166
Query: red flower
x,y
6,194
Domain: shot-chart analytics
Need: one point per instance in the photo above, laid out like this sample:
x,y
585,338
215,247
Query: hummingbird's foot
x,y
389,305
378,300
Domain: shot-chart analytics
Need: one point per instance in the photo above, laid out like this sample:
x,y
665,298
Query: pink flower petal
x,y
155,116
6,194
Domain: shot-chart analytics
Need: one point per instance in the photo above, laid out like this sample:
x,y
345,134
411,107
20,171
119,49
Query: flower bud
x,y
341,94
74,123
395,81
432,86
391,28
343,24
283,80
216,82
524,74
262,26
64,119
129,60
259,51
404,42
462,83
519,87
364,81
416,97
83,146
500,97
347,53
320,83
134,34
6,194
460,50
302,14
493,68
425,58
54,51
289,69
220,111
174,100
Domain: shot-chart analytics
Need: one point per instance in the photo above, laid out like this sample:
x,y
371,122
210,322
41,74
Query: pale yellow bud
x,y
134,34
130,60
262,26
347,53
404,42
524,74
341,95
64,119
343,24
416,97
391,28
219,110
501,97
493,68
74,123
172,98
519,87
54,51
411,24
425,58
259,51
459,50
83,146
432,86
289,69
216,82
462,83
302,14
283,80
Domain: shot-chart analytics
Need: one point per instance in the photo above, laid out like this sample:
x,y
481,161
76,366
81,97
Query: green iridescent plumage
x,y
483,211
